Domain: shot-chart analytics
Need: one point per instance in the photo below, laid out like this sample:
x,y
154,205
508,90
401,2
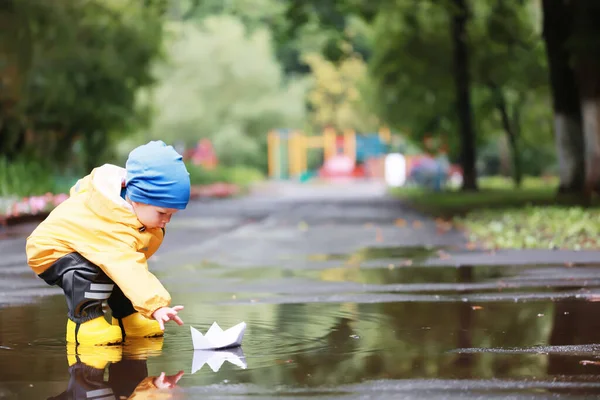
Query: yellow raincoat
x,y
98,224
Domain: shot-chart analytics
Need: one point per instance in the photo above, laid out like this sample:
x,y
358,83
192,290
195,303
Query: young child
x,y
95,246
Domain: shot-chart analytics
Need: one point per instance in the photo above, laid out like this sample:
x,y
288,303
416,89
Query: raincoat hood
x,y
99,224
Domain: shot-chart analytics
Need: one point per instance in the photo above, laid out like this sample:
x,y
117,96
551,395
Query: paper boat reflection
x,y
216,338
216,358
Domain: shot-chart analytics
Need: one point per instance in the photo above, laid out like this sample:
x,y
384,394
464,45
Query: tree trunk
x,y
516,129
567,112
585,48
463,96
510,128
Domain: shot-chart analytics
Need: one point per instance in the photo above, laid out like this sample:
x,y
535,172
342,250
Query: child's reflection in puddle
x,y
127,372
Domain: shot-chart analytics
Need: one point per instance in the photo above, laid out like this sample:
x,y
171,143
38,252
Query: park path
x,y
346,292
286,222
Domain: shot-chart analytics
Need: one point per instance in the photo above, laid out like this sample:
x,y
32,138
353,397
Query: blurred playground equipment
x,y
344,155
203,154
352,155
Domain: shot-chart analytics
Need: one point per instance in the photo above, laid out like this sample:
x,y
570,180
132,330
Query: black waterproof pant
x,y
86,286
88,383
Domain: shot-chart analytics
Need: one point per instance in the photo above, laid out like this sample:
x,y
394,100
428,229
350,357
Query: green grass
x,y
501,216
544,227
494,193
22,178
238,175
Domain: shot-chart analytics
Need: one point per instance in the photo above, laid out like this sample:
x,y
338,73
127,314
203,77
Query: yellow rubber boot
x,y
93,356
142,348
94,332
136,325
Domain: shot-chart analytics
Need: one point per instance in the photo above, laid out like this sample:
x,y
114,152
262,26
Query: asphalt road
x,y
346,292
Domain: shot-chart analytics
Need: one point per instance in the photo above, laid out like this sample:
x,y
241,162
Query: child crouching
x,y
96,244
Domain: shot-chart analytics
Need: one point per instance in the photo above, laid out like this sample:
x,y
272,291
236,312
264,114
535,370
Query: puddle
x,y
377,253
405,279
338,331
313,348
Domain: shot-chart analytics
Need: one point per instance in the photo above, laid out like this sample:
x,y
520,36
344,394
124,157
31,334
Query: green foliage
x,y
538,158
84,62
495,193
78,76
535,227
297,27
501,216
253,14
25,178
512,80
328,25
412,70
339,95
529,183
224,83
238,175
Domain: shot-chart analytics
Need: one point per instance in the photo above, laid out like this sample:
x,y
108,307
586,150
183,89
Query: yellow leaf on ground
x,y
400,222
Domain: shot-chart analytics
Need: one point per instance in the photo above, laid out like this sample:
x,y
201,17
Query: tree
x,y
584,45
273,15
508,65
297,27
339,96
83,64
221,82
558,25
463,93
412,67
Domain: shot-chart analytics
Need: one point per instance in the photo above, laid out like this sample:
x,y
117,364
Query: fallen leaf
x,y
471,245
417,224
443,226
400,222
379,236
589,362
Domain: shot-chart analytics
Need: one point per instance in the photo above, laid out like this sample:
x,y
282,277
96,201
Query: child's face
x,y
152,216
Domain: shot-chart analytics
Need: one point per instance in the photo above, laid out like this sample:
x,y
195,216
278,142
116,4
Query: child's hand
x,y
166,314
167,382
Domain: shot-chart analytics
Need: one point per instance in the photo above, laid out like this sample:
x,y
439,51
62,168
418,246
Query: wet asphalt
x,y
346,292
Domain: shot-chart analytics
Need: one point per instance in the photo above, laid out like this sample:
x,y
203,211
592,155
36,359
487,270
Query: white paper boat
x,y
216,358
216,338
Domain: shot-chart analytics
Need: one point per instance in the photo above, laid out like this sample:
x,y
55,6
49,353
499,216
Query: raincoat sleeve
x,y
128,269
147,389
142,389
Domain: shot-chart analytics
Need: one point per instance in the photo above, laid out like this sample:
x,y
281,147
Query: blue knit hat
x,y
156,175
